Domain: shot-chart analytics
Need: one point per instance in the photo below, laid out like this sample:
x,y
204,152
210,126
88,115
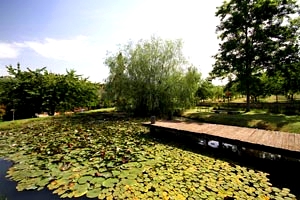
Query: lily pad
x,y
94,193
110,182
84,179
80,189
128,182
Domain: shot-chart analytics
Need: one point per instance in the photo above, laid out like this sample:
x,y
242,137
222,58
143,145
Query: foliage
x,y
2,111
204,90
256,36
30,92
103,157
151,77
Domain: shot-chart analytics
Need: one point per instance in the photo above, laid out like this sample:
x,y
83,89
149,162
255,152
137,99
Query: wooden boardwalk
x,y
282,143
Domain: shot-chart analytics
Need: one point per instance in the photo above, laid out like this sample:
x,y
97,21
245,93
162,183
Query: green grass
x,y
5,125
270,99
102,110
19,123
254,119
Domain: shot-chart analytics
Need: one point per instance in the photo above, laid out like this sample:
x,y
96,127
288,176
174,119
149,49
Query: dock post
x,y
220,145
152,119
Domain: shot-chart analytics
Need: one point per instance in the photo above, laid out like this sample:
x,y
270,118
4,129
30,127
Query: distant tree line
x,y
35,91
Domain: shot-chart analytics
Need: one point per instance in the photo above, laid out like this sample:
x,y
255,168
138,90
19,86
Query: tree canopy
x,y
34,91
152,77
256,36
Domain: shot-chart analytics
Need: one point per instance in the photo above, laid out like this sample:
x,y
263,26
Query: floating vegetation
x,y
113,159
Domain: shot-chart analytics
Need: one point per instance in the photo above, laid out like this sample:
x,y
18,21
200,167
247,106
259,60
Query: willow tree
x,y
256,35
152,77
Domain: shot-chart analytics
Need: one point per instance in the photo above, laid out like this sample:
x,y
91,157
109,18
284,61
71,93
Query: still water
x,y
282,174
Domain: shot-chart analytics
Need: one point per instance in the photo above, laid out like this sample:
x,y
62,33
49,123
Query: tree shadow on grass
x,y
255,120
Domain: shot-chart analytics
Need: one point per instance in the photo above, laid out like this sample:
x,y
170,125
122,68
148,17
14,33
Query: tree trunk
x,y
248,98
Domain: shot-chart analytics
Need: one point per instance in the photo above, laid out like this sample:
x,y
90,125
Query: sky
x,y
77,34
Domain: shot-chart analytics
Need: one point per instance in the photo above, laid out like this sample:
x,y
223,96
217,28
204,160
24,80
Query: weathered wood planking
x,y
286,144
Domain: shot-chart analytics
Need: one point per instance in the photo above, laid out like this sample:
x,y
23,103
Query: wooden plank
x,y
276,140
215,131
284,141
255,137
243,134
227,132
297,142
204,128
267,138
291,142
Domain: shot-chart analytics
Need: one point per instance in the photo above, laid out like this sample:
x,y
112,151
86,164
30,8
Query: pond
x,y
118,159
8,188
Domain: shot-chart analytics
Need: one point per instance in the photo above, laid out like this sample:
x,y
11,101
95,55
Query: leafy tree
x,y
217,92
255,35
30,92
204,91
25,94
151,77
274,85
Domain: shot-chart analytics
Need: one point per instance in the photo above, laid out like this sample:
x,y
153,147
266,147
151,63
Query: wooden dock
x,y
276,142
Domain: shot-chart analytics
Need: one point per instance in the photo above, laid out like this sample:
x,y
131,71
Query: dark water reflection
x,y
282,173
8,188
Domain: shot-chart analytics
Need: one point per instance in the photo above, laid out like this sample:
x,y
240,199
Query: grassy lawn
x,y
101,156
5,125
254,119
269,99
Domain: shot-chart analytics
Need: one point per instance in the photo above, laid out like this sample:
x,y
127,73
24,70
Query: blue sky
x,y
76,34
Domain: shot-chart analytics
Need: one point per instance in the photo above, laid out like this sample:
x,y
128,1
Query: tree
x,y
205,90
151,77
256,36
30,92
274,85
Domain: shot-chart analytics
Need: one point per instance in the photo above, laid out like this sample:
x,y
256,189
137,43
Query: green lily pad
x,y
84,179
110,182
80,189
94,193
106,174
116,173
128,182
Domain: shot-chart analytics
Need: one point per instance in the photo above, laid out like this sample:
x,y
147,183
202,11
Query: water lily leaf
x,y
101,196
110,182
116,173
130,164
93,193
124,174
80,189
60,190
106,174
84,179
110,164
43,182
128,182
102,169
26,186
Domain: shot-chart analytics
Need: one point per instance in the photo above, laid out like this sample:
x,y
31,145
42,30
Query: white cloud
x,y
76,49
193,21
10,50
